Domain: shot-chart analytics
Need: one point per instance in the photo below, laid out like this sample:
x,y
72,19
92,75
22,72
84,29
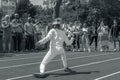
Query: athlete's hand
x,y
37,44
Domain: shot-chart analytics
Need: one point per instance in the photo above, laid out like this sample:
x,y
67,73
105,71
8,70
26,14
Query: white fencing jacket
x,y
57,38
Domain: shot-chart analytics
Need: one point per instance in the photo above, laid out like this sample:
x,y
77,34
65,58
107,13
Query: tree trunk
x,y
57,8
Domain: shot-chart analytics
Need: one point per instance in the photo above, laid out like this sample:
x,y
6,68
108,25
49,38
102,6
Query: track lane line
x,y
44,55
14,66
106,76
36,57
83,65
20,59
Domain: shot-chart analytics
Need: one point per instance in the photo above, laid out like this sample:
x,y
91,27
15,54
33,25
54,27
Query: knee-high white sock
x,y
42,68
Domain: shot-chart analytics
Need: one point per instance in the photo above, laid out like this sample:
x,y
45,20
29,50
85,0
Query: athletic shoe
x,y
67,70
101,50
84,49
38,75
115,49
89,50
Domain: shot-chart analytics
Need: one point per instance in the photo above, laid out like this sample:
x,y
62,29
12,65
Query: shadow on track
x,y
68,73
73,73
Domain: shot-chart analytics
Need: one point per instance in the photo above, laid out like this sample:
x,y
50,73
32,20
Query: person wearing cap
x,y
17,33
6,33
57,37
103,35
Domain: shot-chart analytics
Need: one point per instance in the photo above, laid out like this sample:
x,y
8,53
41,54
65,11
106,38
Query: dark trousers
x,y
78,42
29,42
74,42
92,39
17,40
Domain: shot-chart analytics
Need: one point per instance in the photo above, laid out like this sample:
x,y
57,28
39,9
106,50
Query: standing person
x,y
114,33
17,33
94,35
6,34
29,33
57,37
119,34
77,33
73,26
38,33
85,38
103,34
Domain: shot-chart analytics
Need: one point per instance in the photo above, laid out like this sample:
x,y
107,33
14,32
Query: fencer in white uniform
x,y
57,37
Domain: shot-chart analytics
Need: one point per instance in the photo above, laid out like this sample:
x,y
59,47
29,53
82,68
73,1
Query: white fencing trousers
x,y
53,52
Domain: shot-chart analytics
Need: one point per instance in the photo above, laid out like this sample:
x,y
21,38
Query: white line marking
x,y
83,65
32,57
39,52
43,56
20,59
51,61
30,53
108,75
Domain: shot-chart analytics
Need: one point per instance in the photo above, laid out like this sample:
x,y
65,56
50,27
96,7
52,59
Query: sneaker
x,y
73,50
84,49
101,50
67,70
89,50
38,75
115,49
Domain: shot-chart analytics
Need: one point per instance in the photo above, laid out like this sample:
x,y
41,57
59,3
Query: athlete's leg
x,y
64,60
96,42
9,47
114,45
49,56
87,44
4,43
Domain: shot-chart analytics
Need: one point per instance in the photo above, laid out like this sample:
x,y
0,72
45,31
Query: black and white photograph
x,y
59,39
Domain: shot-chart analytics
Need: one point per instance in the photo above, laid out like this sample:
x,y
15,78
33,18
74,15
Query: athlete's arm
x,y
47,38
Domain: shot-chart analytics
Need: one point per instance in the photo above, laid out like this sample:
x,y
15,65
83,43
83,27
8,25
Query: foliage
x,y
72,10
24,6
44,15
1,13
94,11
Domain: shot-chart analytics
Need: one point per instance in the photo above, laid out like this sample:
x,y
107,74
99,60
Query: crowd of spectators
x,y
100,34
18,36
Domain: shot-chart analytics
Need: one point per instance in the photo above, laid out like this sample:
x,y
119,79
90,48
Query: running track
x,y
88,66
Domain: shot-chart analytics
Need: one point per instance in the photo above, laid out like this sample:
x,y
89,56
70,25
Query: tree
x,y
44,15
55,4
1,13
32,10
22,6
57,8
